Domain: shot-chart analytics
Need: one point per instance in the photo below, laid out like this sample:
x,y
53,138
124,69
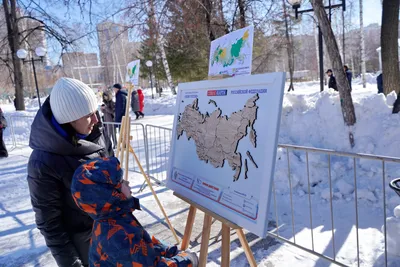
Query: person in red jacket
x,y
118,239
141,101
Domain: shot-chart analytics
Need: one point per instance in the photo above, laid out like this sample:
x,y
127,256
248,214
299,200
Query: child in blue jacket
x,y
118,239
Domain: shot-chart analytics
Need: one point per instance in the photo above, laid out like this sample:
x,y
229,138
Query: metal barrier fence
x,y
21,129
158,141
18,131
355,171
298,171
138,142
8,136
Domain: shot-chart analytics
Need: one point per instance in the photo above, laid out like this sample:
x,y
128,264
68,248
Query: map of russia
x,y
217,137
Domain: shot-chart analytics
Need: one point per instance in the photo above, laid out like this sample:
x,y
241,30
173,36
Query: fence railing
x,y
8,136
345,194
355,169
158,141
356,184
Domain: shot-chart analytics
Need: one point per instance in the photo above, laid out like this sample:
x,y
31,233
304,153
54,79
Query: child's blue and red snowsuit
x,y
117,237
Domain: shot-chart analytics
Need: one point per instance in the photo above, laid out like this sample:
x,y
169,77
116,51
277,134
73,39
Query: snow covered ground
x,y
309,118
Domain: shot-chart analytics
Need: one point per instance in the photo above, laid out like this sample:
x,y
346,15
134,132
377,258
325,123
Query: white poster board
x,y
232,54
132,72
224,145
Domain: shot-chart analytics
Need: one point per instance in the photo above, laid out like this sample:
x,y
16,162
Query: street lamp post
x,y
40,52
296,4
149,64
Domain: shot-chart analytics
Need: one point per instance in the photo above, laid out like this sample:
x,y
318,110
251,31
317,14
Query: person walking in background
x,y
379,82
3,126
135,104
349,75
120,102
66,131
108,109
332,80
141,101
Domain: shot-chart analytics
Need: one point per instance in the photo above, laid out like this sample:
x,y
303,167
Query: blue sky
x,y
372,11
372,14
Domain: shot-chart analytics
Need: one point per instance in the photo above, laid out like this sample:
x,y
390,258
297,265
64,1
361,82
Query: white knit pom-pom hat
x,y
71,100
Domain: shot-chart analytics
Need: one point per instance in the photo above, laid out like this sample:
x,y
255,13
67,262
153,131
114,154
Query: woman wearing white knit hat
x,y
66,131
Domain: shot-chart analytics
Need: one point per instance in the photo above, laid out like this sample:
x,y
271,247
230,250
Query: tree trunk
x,y
10,13
289,47
208,12
166,65
343,85
390,48
242,13
316,50
222,16
343,37
362,45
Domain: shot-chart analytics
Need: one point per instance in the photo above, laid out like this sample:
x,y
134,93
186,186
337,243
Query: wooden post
x,y
226,228
155,195
204,240
121,130
246,248
122,149
226,245
127,146
188,228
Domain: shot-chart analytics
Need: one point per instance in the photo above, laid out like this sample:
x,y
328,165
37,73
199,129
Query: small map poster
x,y
224,145
132,72
231,54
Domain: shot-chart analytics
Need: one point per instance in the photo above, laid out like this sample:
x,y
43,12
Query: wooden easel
x,y
226,227
205,238
124,147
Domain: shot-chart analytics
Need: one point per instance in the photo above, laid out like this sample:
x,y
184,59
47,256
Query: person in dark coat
x,y
332,80
65,132
135,104
120,102
379,81
118,239
349,75
108,109
3,126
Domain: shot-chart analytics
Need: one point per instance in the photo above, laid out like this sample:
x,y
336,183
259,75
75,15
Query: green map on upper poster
x,y
226,55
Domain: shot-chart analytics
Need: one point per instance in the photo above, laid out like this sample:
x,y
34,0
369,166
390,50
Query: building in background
x,y
116,51
84,67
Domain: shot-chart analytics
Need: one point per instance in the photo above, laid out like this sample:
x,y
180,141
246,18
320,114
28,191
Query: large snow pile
x,y
311,118
393,229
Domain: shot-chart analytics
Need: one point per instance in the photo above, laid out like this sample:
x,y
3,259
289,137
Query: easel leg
x,y
246,248
154,194
226,245
204,240
127,144
121,131
188,228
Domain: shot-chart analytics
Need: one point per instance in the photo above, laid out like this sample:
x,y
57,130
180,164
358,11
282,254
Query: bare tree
x,y
242,13
390,49
208,9
289,47
10,12
362,45
343,85
222,16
